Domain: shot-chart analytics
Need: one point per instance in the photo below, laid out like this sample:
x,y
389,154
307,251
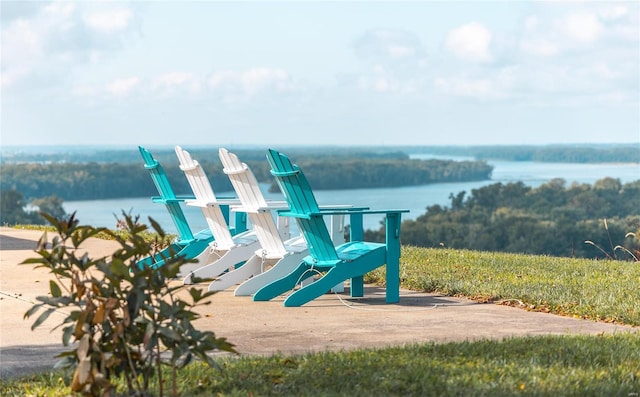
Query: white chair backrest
x,y
205,199
253,203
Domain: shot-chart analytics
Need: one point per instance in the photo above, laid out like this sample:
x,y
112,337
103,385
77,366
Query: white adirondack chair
x,y
225,251
276,258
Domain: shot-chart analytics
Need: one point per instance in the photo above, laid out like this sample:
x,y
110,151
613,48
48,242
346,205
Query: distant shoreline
x,y
622,153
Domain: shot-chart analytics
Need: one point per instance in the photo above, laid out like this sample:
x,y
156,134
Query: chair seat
x,y
296,244
348,252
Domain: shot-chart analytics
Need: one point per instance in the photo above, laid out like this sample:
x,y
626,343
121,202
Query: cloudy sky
x,y
244,73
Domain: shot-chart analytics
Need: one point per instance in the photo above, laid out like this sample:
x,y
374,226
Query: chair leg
x,y
357,287
195,249
318,288
250,268
191,250
280,269
284,284
228,259
157,260
393,281
196,271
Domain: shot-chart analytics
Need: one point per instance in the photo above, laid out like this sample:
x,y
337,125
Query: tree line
x,y
586,153
552,219
15,210
629,153
91,181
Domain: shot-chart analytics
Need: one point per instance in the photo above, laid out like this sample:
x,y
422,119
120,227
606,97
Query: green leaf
x,y
67,361
55,289
119,268
33,310
169,333
66,334
149,338
30,261
156,226
48,300
195,293
42,318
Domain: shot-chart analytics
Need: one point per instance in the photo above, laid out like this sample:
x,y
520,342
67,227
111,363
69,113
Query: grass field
x,y
604,365
532,366
601,290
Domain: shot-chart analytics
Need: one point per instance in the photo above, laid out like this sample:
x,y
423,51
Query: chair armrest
x,y
217,203
346,211
185,198
296,215
354,211
346,208
227,201
179,199
271,206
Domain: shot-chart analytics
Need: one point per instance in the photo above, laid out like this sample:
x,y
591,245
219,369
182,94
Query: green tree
x,y
52,205
549,220
12,208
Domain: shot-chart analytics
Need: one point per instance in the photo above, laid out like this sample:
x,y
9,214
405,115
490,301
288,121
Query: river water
x,y
414,198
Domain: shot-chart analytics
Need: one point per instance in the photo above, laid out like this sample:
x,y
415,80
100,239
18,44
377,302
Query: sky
x,y
319,73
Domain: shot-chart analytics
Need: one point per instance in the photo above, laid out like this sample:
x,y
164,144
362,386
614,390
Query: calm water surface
x,y
414,198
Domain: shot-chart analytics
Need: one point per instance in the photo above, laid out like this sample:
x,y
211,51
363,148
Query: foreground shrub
x,y
121,316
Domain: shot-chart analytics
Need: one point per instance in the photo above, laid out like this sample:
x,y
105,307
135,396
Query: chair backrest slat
x,y
301,200
246,186
167,195
206,199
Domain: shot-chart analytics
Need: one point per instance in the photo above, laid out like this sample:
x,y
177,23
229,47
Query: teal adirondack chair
x,y
186,244
351,260
279,254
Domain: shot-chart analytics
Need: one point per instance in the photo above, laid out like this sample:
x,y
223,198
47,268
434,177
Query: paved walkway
x,y
332,322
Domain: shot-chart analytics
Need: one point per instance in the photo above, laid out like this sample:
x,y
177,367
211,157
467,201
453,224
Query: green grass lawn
x,y
532,366
604,365
601,290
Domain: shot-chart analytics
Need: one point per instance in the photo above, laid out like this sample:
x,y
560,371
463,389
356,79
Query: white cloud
x,y
481,89
540,47
531,23
230,85
59,10
382,85
579,32
44,45
535,40
614,12
250,82
388,46
401,51
122,87
583,27
256,79
603,70
386,80
109,21
169,84
85,91
470,42
21,49
394,62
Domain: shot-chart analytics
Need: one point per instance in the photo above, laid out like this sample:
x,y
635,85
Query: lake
x,y
414,198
